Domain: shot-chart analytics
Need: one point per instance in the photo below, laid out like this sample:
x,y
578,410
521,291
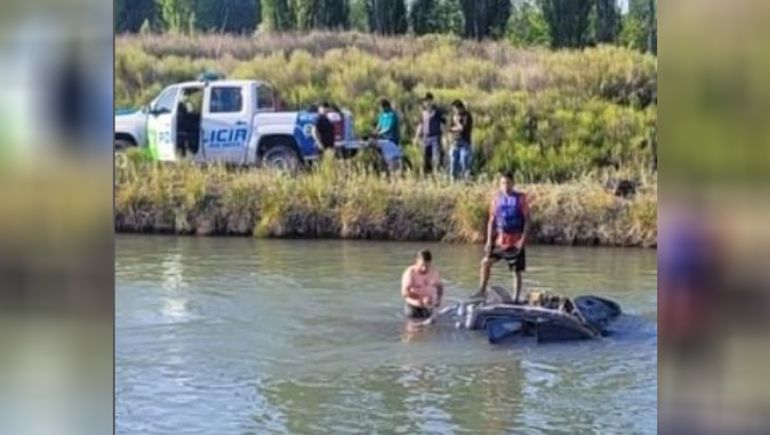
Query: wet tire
x,y
123,144
280,156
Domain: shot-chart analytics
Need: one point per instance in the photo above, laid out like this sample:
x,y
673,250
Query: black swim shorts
x,y
516,259
418,313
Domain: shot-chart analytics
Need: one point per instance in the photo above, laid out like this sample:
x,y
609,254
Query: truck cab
x,y
227,121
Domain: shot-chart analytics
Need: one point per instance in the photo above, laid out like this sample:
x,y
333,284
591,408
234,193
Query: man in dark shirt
x,y
323,130
428,133
461,129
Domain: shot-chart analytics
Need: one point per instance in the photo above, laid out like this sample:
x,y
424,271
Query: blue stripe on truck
x,y
303,133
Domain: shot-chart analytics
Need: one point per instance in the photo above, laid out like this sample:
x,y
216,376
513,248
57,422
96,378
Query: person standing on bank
x,y
461,129
429,132
506,235
387,123
323,129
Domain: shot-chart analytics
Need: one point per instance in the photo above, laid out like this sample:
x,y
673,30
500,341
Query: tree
x,y
177,15
131,14
527,25
652,23
359,15
640,29
306,13
568,21
322,14
607,21
387,17
233,16
335,15
450,17
277,15
485,18
423,16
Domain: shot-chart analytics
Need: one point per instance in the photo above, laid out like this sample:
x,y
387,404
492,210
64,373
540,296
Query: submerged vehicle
x,y
545,316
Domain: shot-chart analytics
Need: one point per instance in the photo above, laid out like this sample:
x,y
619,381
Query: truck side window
x,y
166,101
264,98
226,99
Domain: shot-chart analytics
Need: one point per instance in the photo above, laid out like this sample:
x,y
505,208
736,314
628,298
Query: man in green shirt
x,y
387,123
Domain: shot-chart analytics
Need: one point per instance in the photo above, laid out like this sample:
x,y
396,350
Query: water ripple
x,y
251,337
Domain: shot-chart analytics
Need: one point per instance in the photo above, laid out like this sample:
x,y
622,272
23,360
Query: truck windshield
x,y
166,101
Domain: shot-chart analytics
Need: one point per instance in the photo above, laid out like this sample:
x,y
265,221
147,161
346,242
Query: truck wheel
x,y
280,156
123,144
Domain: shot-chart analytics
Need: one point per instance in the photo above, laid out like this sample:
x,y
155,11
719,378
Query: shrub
x,y
344,201
551,115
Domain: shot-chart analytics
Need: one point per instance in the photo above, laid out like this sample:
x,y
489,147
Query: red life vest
x,y
338,122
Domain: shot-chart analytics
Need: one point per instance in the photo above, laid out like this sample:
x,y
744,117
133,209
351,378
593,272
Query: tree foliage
x,y
322,14
449,17
568,21
177,15
640,28
278,15
423,17
131,14
607,21
387,17
485,18
527,26
231,16
359,15
559,23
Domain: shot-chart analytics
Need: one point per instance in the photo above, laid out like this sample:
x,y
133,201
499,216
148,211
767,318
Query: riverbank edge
x,y
334,204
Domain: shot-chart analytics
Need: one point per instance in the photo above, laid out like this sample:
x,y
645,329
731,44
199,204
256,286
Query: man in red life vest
x,y
506,234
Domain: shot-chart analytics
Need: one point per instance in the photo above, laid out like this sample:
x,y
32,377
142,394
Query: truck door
x,y
161,125
226,123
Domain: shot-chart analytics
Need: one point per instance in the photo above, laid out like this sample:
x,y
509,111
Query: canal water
x,y
247,336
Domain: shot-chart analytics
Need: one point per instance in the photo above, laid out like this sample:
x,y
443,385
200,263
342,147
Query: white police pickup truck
x,y
228,121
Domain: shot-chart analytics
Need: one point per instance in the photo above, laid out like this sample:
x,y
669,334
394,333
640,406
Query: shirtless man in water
x,y
421,287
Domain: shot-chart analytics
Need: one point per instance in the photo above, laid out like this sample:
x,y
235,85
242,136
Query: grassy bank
x,y
339,200
550,115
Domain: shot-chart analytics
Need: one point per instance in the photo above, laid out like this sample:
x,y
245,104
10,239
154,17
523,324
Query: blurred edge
x,y
56,249
713,282
56,238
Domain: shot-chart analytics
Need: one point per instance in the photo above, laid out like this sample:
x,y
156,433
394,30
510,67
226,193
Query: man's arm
x,y
384,124
458,123
406,290
417,132
405,284
455,126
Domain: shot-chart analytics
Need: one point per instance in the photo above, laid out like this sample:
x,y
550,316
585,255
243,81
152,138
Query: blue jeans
x,y
460,160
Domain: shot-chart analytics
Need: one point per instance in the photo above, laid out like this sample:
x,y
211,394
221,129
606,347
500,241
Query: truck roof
x,y
224,82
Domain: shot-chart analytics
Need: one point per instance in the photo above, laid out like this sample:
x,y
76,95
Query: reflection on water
x,y
251,336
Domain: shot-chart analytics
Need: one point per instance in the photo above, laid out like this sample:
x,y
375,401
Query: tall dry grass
x,y
342,200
